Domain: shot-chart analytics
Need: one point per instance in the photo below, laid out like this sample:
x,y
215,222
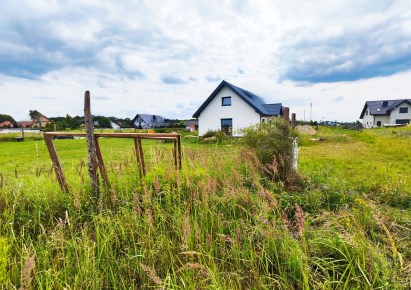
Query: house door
x,y
227,126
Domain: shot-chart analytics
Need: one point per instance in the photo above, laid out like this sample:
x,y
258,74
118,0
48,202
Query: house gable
x,y
251,99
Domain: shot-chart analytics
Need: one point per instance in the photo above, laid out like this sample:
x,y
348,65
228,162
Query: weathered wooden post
x,y
293,119
56,163
91,145
286,113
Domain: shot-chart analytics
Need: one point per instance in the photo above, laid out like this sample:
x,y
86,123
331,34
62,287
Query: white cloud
x,y
167,57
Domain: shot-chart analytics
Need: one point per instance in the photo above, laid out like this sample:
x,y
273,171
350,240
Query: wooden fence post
x,y
91,145
101,165
293,119
56,163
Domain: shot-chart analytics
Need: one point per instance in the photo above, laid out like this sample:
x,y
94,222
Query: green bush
x,y
272,144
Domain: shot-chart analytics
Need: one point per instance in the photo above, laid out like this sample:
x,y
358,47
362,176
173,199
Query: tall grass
x,y
217,224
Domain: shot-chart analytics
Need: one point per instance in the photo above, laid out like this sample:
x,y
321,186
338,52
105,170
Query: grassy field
x,y
217,224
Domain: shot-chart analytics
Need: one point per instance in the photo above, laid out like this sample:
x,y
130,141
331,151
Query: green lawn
x,y
216,224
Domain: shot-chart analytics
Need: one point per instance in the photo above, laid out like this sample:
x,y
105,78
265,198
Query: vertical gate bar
x,y
101,165
56,163
175,153
179,152
141,156
137,150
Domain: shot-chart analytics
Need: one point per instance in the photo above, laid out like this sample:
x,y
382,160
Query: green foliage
x,y
104,122
34,114
4,260
272,144
49,126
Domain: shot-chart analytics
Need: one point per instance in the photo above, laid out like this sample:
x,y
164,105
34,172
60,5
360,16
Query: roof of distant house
x,y
147,118
382,107
251,99
25,123
191,122
6,123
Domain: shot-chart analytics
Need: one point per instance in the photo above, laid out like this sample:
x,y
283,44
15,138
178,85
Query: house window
x,y
226,101
404,110
402,121
366,113
379,123
227,126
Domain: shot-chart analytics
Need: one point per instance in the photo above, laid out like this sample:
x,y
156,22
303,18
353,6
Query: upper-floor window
x,y
404,110
366,113
226,101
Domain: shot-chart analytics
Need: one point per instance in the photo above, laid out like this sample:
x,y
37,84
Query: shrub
x,y
272,144
209,134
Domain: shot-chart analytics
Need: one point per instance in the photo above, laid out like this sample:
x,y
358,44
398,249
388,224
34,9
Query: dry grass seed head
x,y
196,266
151,273
150,219
27,271
157,185
299,220
186,230
113,196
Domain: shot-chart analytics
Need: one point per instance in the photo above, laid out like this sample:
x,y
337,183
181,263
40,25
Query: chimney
x,y
286,114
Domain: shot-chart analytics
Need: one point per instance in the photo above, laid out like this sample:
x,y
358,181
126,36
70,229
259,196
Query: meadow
x,y
216,224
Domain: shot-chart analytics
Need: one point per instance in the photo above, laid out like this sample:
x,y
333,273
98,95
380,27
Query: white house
x,y
386,112
231,109
146,121
115,125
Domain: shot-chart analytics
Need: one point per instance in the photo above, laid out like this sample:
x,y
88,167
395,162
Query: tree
x,y
34,114
104,122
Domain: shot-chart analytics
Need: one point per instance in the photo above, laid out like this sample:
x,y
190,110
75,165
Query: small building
x,y
192,125
6,124
40,121
115,125
146,121
25,124
386,112
231,109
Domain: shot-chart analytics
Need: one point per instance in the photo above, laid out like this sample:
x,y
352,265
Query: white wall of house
x,y
396,115
242,114
115,126
368,119
384,119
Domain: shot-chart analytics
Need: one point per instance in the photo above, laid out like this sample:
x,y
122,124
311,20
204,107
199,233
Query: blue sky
x,y
166,58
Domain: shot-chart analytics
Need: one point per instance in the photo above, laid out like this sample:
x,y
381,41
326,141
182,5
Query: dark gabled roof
x,y
274,109
378,108
148,119
253,100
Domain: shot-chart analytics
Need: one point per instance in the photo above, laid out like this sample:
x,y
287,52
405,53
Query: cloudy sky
x,y
166,57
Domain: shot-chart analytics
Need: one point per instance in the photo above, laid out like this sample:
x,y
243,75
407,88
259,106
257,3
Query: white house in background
x,y
146,121
386,112
231,109
115,125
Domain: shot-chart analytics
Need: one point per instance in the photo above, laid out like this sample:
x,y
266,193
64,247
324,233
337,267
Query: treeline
x,y
77,122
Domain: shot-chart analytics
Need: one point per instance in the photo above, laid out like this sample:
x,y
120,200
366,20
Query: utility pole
x,y
311,111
